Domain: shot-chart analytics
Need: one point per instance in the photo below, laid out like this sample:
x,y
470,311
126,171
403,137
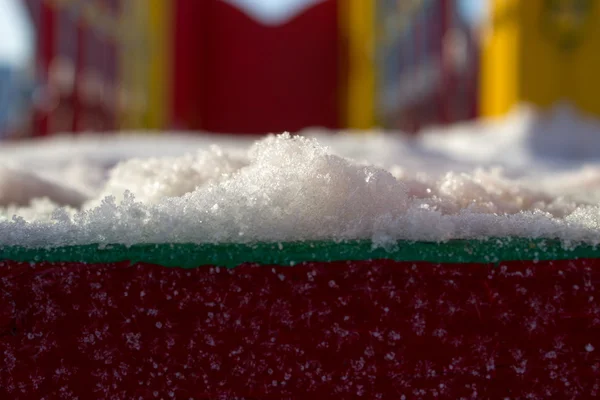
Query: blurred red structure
x,y
226,71
77,65
430,65
248,77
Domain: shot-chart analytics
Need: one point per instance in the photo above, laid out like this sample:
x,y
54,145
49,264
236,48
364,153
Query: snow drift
x,y
530,175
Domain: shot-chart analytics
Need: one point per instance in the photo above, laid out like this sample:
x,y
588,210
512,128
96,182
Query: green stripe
x,y
230,255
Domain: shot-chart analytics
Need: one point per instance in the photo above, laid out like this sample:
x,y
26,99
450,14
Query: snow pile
x,y
522,138
155,178
383,187
20,187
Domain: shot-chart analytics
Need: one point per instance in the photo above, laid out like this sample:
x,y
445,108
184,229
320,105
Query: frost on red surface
x,y
367,329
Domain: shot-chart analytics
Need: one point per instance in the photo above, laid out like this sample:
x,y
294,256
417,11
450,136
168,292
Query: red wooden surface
x,y
378,329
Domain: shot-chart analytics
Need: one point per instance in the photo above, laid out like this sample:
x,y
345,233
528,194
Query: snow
x,y
532,174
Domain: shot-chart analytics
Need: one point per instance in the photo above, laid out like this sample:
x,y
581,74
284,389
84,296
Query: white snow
x,y
531,174
589,348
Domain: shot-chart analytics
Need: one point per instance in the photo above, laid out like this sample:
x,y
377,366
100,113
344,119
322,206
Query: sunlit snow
x,y
531,174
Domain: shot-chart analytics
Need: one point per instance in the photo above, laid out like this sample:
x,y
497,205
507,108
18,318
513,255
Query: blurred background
x,y
257,66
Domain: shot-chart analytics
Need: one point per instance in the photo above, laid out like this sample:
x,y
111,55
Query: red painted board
x,y
368,329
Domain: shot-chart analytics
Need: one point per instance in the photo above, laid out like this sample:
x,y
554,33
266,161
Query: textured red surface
x,y
376,329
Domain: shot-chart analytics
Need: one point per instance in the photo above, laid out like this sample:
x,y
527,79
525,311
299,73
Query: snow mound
x,y
20,187
155,178
379,186
525,136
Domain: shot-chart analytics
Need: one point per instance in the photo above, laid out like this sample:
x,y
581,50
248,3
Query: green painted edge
x,y
188,255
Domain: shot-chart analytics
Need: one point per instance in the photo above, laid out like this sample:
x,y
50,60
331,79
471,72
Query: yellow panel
x,y
544,52
357,20
542,65
159,18
584,65
134,64
500,58
128,30
560,54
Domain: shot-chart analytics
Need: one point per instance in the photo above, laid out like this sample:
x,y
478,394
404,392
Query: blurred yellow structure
x,y
357,24
159,12
134,69
541,52
144,70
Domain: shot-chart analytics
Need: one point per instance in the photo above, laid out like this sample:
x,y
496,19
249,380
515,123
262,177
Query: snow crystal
x,y
483,179
589,348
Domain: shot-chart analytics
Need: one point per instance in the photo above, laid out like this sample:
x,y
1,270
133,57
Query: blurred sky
x,y
273,12
473,11
16,33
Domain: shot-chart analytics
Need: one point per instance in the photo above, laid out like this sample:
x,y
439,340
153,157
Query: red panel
x,y
473,82
365,329
111,98
234,74
62,116
45,53
189,36
78,102
444,97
